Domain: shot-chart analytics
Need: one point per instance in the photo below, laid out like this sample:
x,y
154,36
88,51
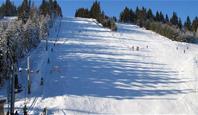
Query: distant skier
x,y
137,48
37,71
41,81
45,111
177,48
51,49
16,113
25,110
48,60
132,48
184,51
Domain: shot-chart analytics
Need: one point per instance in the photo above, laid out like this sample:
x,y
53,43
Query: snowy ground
x,y
95,71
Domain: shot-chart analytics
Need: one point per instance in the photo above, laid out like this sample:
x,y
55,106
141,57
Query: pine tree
x,y
174,19
187,24
161,17
56,8
150,14
95,11
82,12
141,16
44,8
166,19
125,15
24,10
114,19
10,9
195,24
1,11
180,24
157,16
132,16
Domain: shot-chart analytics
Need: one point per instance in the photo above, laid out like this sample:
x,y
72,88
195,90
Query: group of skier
x,y
137,48
184,51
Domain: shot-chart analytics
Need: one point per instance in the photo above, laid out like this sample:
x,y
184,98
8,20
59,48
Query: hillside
x,y
93,70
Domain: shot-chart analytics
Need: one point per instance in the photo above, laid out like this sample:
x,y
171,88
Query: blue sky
x,y
183,8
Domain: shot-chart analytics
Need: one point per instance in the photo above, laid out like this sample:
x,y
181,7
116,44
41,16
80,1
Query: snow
x,y
93,70
8,18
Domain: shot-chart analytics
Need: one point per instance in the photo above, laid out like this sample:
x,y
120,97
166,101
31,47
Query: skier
x,y
45,111
41,81
132,48
25,110
37,71
51,49
48,60
16,113
137,48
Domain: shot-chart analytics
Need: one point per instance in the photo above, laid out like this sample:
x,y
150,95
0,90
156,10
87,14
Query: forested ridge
x,y
22,28
170,27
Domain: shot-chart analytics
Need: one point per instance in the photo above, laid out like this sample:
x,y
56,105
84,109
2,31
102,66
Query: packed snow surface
x,y
92,70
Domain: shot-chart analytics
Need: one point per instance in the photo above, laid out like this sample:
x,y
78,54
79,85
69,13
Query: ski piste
x,y
92,70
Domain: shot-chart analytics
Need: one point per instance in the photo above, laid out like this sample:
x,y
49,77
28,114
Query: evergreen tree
x,y
55,7
161,17
125,15
24,10
137,10
187,24
1,12
157,16
150,14
82,12
174,19
166,19
45,8
132,16
10,9
195,24
180,24
95,11
141,16
114,19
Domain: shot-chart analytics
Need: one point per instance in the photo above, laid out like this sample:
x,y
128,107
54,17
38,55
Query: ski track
x,y
95,71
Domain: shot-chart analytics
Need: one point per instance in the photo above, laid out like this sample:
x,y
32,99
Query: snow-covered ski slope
x,y
93,70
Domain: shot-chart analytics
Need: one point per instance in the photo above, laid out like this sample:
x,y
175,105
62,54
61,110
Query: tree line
x,y
24,33
95,12
172,27
23,11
